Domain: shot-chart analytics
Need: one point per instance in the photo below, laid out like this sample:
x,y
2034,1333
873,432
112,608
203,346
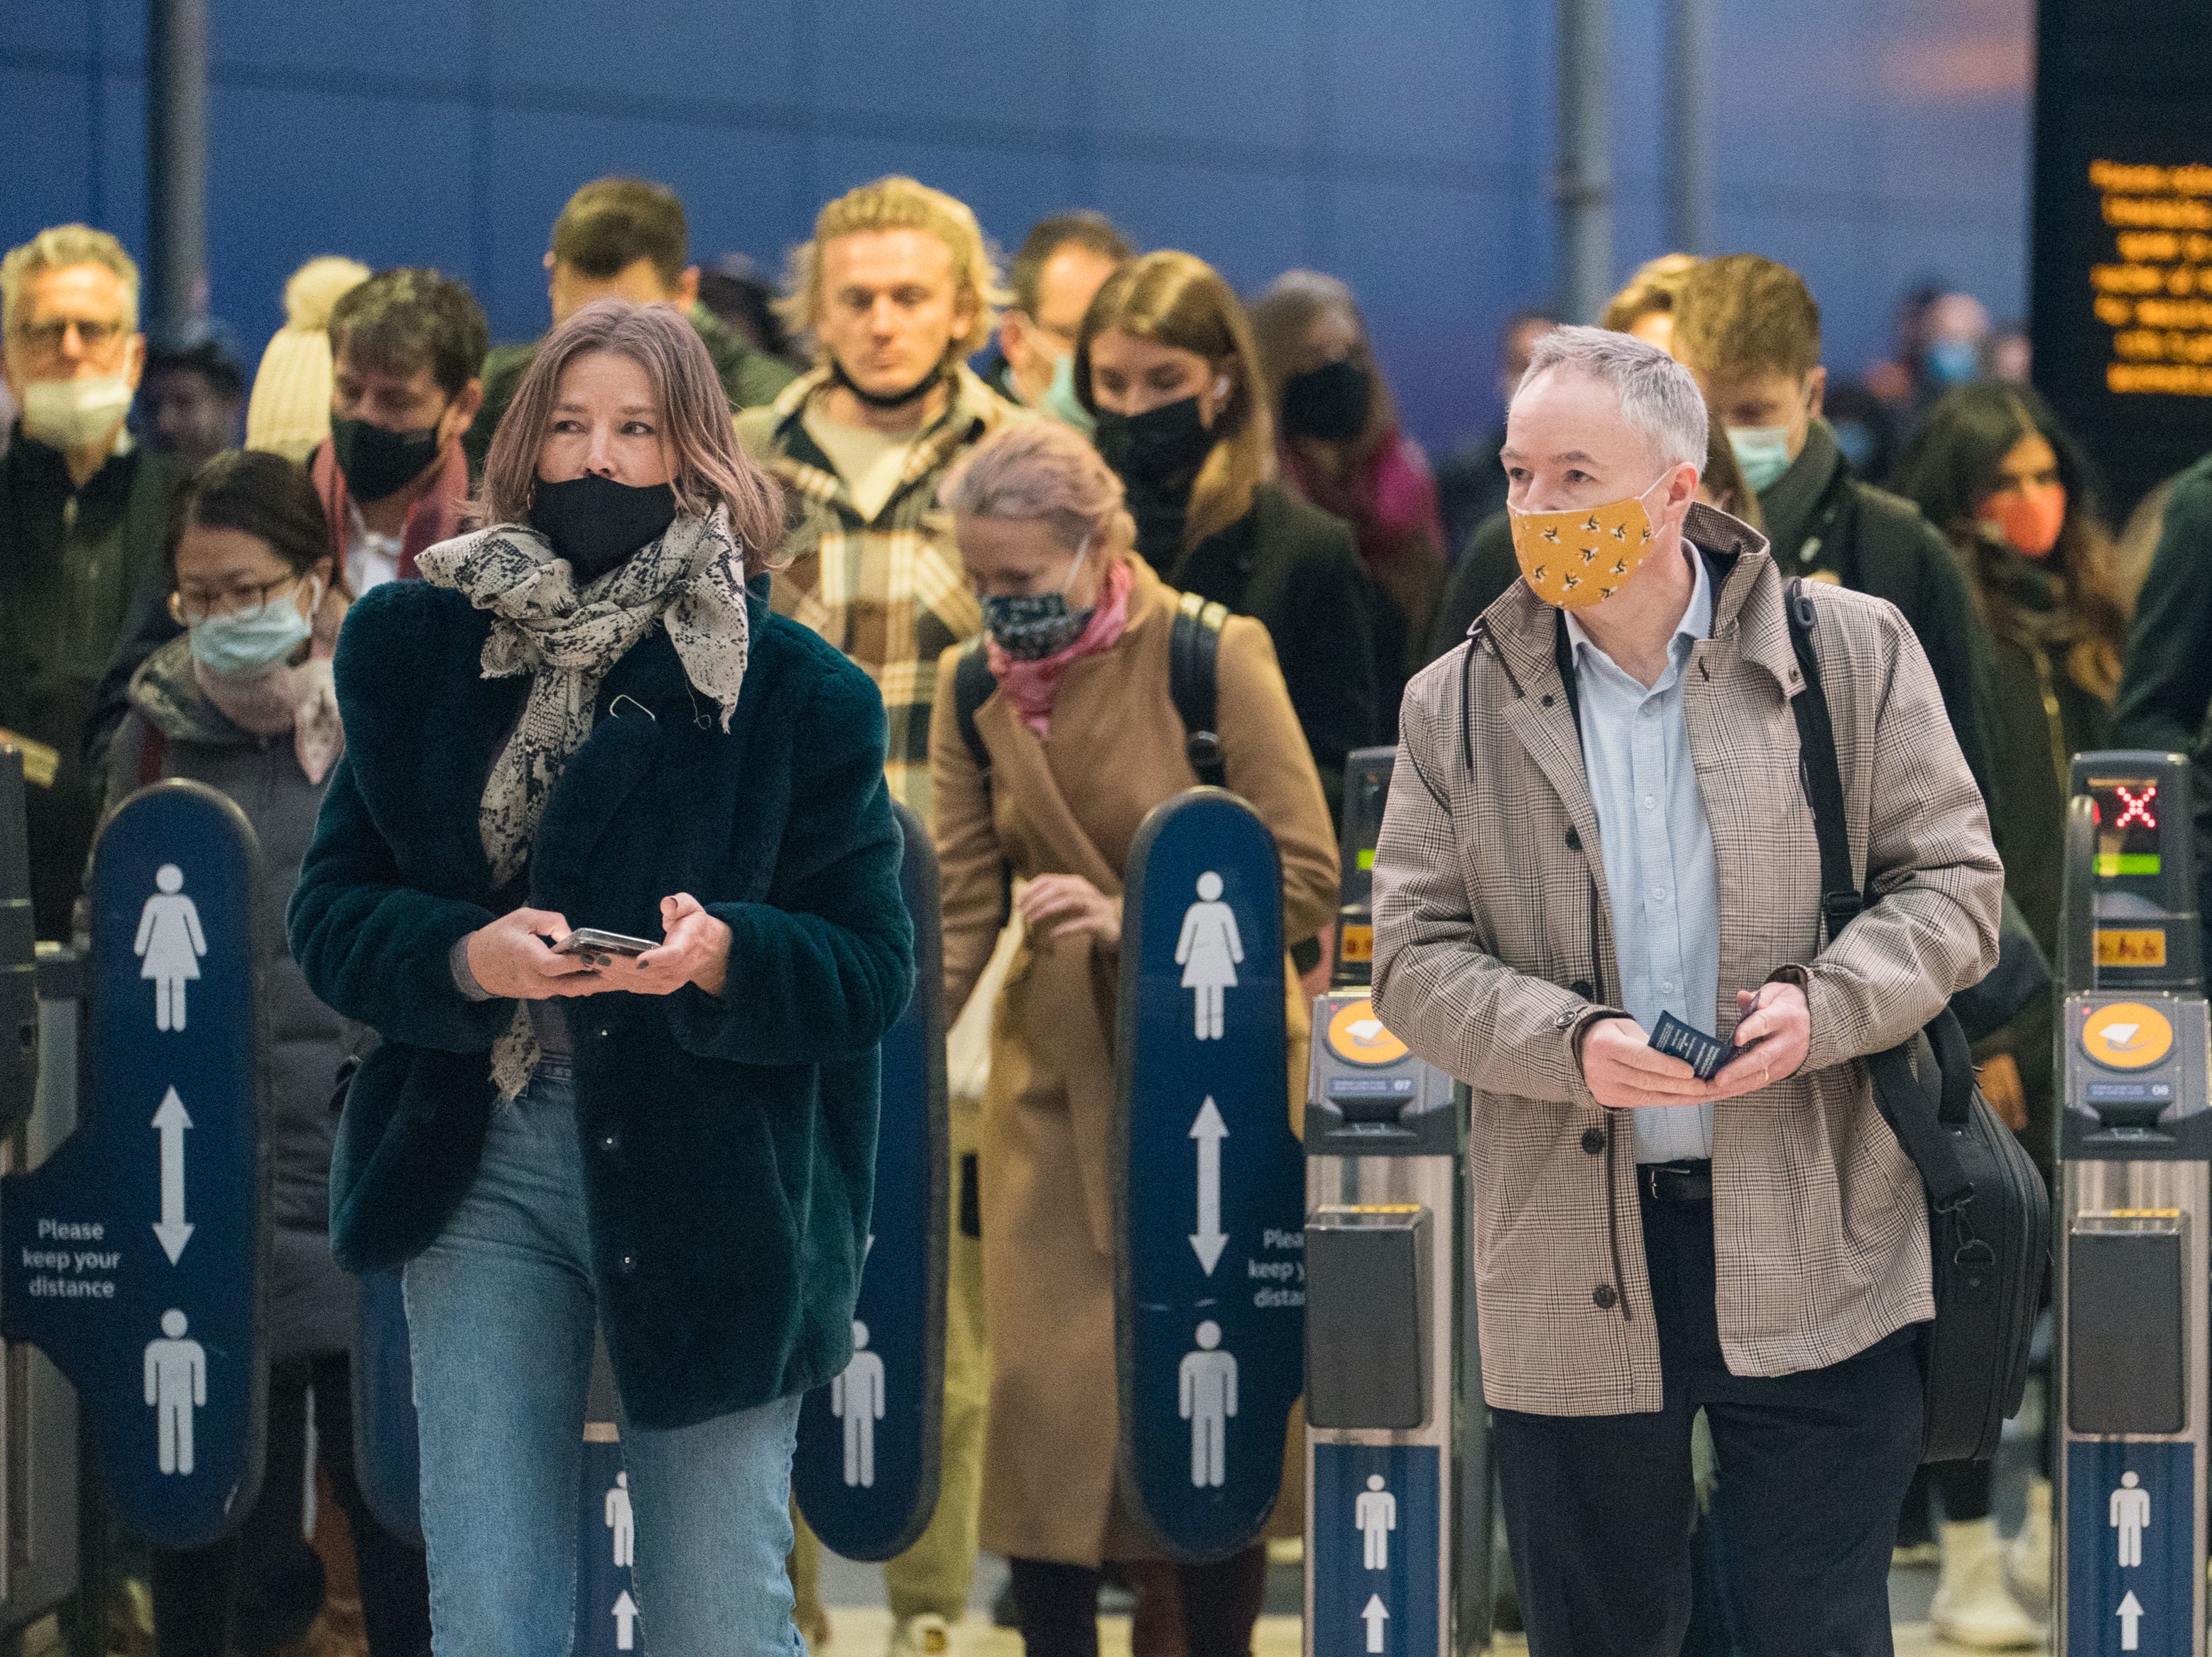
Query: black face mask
x,y
1162,448
378,462
595,523
913,393
1329,403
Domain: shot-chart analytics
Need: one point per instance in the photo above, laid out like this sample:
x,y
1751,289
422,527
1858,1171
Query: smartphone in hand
x,y
596,946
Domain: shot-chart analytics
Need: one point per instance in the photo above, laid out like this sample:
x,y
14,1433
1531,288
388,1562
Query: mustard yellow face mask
x,y
1580,558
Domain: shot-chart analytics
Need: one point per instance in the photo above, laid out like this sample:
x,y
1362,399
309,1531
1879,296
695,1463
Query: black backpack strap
x,y
1840,898
1915,1108
972,685
1193,653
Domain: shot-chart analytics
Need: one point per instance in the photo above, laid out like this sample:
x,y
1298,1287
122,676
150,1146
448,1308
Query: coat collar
x,y
1746,607
969,413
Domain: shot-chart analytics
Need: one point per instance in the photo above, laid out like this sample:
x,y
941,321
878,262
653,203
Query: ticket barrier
x,y
2135,1140
1366,792
1398,1536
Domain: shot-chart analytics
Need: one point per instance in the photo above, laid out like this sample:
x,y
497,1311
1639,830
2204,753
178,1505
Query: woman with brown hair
x,y
1992,468
658,1120
1166,364
1343,449
1083,741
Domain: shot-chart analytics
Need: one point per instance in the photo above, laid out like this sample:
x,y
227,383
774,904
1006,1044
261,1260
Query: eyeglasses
x,y
248,602
48,337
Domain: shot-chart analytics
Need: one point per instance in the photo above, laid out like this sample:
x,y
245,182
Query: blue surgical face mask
x,y
1060,401
241,647
1953,361
1031,627
1762,454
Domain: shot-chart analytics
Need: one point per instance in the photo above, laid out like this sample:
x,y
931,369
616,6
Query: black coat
x,y
1296,570
2168,683
729,1141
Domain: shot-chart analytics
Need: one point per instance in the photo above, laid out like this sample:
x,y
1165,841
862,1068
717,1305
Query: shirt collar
x,y
1696,620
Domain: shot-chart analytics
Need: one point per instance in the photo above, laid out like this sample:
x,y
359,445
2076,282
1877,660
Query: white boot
x,y
2027,1556
1972,1606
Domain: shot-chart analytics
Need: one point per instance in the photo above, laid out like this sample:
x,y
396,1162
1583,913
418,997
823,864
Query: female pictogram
x,y
170,944
1208,952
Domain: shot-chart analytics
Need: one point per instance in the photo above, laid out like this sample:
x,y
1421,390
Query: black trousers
x,y
1598,1508
259,1588
1058,1605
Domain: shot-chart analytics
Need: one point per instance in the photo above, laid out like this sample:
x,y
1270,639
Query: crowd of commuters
x,y
647,622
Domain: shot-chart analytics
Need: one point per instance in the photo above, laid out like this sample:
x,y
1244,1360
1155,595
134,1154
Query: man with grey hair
x,y
1596,825
82,514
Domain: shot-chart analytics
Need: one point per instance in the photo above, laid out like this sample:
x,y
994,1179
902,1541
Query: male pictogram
x,y
176,1385
857,1395
1208,1387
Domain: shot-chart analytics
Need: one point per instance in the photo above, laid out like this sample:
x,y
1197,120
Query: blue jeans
x,y
500,1318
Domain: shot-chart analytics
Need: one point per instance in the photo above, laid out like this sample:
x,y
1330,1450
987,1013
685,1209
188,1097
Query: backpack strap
x,y
1193,653
1840,898
1915,1110
153,756
972,685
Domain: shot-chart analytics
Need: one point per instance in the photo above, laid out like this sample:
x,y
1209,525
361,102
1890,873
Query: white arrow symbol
x,y
170,1121
625,1620
2131,1614
1374,1616
1209,1240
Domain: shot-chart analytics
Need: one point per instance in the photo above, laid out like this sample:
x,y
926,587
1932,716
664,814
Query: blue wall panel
x,y
1405,144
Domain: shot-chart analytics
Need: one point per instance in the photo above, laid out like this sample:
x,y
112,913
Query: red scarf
x,y
1030,686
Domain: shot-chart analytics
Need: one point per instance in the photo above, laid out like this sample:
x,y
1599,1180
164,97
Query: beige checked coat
x,y
1494,951
890,593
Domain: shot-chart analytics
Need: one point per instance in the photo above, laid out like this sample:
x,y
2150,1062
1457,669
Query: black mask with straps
x,y
596,522
378,462
888,402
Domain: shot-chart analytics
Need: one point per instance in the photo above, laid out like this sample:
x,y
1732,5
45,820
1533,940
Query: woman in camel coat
x,y
1084,741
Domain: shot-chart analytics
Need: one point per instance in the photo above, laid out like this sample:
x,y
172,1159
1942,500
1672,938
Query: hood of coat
x,y
167,693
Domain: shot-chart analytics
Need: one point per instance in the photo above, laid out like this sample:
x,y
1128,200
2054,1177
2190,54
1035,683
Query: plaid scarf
x,y
692,580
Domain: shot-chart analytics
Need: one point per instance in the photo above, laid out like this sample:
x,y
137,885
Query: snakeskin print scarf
x,y
691,580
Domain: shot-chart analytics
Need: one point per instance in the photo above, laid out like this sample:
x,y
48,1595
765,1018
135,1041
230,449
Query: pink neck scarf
x,y
1030,686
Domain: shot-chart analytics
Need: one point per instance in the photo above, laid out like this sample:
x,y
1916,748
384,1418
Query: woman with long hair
x,y
1341,448
1992,468
1081,740
1166,364
243,702
586,719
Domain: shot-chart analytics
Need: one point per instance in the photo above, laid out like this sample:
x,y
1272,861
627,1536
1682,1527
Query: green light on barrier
x,y
2113,863
1367,860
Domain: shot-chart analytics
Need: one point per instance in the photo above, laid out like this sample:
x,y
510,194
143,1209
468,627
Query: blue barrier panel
x,y
1210,1182
133,1254
387,1455
606,1548
866,1467
2130,1536
1377,1582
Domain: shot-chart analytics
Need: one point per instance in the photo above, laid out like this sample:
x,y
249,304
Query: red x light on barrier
x,y
2135,807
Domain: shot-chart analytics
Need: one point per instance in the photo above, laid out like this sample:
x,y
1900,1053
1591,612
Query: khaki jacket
x,y
1073,806
1490,905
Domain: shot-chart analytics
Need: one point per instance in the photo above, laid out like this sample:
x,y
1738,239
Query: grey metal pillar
x,y
176,157
1583,183
1689,185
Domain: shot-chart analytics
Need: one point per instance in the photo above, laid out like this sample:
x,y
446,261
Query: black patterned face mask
x,y
1031,627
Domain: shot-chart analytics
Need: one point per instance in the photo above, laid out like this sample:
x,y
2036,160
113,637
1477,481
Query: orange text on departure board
x,y
2155,292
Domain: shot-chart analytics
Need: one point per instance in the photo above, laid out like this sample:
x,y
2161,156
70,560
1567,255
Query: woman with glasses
x,y
244,703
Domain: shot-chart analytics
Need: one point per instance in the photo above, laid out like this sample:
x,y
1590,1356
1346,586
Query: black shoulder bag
x,y
1989,1216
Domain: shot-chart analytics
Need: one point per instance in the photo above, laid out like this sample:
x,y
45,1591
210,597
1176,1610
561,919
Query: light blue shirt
x,y
1659,869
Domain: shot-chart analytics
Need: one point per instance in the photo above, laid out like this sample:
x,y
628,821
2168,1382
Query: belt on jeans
x,y
1675,1182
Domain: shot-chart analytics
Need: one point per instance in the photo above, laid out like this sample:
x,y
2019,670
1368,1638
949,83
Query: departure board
x,y
2122,292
